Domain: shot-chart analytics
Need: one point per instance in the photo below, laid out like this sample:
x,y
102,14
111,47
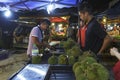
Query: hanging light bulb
x,y
50,7
7,13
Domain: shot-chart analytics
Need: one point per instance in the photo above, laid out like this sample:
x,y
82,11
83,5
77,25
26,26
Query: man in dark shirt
x,y
93,36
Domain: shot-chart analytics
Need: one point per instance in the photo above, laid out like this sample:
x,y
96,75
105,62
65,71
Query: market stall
x,y
65,63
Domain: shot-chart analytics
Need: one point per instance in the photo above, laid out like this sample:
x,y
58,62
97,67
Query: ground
x,y
11,65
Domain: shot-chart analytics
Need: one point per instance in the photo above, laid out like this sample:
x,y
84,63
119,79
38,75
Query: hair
x,y
85,7
45,21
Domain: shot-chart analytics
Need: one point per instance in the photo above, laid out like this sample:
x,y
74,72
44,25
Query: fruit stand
x,y
66,63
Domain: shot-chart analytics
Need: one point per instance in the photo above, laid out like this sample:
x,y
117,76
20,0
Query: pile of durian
x,y
87,68
72,50
85,65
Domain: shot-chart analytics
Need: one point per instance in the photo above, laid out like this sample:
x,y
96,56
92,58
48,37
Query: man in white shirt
x,y
36,37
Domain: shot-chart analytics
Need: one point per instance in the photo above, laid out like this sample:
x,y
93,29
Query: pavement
x,y
12,64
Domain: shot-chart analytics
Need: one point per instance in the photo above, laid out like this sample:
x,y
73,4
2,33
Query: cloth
x,y
31,46
116,70
94,36
83,37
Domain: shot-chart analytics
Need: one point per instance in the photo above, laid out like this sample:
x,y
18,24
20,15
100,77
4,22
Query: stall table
x,y
32,72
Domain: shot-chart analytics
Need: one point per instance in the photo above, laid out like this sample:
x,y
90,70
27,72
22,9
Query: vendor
x,y
93,36
36,38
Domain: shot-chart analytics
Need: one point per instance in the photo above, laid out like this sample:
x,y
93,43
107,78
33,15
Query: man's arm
x,y
36,41
39,44
106,43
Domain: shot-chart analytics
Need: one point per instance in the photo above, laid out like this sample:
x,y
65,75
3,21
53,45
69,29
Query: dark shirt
x,y
95,35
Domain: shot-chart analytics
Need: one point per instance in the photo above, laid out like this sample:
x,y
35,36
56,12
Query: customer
x,y
93,37
36,37
116,68
114,52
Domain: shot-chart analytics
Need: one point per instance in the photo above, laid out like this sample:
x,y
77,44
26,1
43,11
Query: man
x,y
36,38
93,37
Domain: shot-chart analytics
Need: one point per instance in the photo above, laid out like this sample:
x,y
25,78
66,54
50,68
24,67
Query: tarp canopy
x,y
35,4
112,12
16,5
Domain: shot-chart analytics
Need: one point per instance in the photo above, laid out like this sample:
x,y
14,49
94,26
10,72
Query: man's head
x,y
85,10
44,24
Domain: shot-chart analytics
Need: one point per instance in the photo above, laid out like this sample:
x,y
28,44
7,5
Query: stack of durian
x,y
87,68
85,65
72,51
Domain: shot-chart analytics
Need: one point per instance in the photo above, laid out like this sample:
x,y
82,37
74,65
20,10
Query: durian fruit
x,y
97,71
68,44
86,54
91,74
88,61
74,51
80,70
81,77
102,71
76,64
80,74
36,59
68,52
90,53
53,60
71,60
62,59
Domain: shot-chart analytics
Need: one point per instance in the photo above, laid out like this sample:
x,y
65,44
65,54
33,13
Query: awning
x,y
57,19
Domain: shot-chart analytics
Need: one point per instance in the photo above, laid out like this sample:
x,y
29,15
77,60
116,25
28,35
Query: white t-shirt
x,y
32,49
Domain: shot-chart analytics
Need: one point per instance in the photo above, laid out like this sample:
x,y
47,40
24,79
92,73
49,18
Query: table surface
x,y
33,72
